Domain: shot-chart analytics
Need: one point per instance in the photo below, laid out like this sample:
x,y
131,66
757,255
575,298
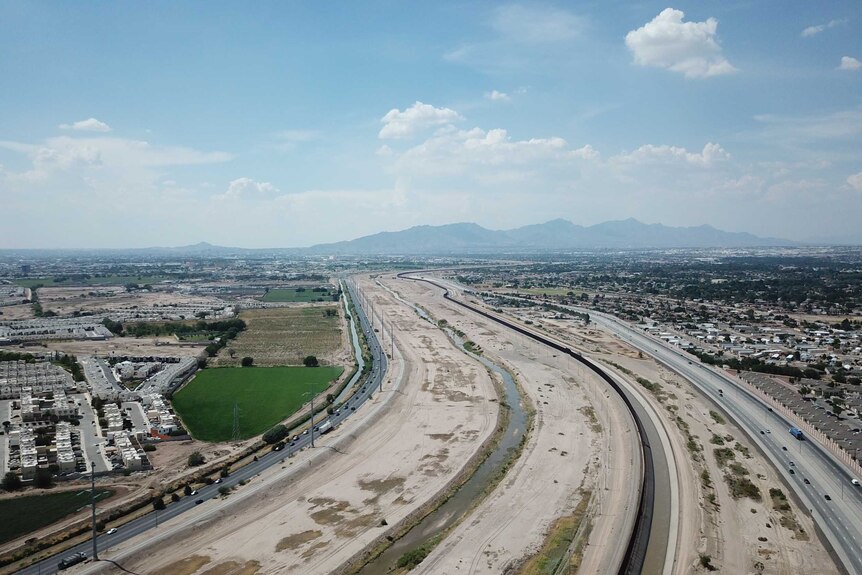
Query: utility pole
x,y
93,505
312,419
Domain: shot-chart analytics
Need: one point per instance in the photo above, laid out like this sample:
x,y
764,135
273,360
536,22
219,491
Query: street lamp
x,y
311,393
93,506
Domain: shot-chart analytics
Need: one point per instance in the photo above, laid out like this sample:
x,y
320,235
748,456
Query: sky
x,y
287,124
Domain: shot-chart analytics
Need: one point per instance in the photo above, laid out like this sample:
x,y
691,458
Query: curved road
x,y
840,518
209,494
650,543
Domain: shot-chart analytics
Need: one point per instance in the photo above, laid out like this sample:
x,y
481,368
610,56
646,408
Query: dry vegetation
x,y
285,335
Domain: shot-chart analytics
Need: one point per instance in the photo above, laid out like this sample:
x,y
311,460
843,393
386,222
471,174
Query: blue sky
x,y
287,124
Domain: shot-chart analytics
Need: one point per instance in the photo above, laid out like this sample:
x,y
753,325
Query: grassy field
x,y
36,511
284,336
263,395
297,295
92,281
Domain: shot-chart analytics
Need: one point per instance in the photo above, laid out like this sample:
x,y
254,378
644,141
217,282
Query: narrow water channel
x,y
454,508
356,349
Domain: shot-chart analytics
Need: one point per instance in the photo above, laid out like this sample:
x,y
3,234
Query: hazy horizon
x,y
292,125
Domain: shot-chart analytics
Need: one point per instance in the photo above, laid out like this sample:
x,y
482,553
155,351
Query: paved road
x,y
209,494
653,543
841,518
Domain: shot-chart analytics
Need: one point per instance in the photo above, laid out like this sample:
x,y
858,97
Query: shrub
x,y
247,361
196,459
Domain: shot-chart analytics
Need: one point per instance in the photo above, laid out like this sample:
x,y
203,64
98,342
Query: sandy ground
x,y
10,312
144,346
740,535
551,476
67,300
313,522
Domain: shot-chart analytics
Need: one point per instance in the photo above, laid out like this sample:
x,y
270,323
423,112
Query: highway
x,y
840,518
209,494
650,548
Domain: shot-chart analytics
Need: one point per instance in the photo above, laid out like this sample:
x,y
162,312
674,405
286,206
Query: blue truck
x,y
797,433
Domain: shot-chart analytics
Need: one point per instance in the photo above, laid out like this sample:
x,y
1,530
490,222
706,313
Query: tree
x,y
187,490
196,459
158,504
175,497
275,434
11,481
247,361
43,479
225,471
310,361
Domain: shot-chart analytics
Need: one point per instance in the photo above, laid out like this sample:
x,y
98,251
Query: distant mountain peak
x,y
556,234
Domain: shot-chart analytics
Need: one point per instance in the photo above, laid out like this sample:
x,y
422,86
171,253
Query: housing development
x,y
184,394
431,288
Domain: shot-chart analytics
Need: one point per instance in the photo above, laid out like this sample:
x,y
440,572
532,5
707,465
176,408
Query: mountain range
x,y
471,238
556,234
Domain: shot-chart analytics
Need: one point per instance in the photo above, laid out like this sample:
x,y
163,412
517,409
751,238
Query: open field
x,y
33,512
324,505
297,295
67,300
263,395
90,281
285,335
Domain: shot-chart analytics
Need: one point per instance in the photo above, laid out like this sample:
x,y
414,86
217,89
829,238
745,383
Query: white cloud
x,y
855,181
585,152
690,48
111,157
452,152
88,125
849,63
496,96
532,24
417,117
814,30
649,153
247,188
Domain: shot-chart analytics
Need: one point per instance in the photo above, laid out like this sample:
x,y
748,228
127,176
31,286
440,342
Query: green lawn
x,y
264,396
36,511
292,294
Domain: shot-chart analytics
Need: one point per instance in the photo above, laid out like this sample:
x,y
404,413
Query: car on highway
x,y
805,481
784,448
792,464
70,560
827,498
791,471
193,493
199,501
855,482
217,480
111,531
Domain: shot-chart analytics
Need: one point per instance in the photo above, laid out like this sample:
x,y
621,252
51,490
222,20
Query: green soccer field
x,y
27,514
263,395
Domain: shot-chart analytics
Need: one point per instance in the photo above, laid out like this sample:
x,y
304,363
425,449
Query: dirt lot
x,y
144,346
285,335
67,300
294,522
10,312
739,534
